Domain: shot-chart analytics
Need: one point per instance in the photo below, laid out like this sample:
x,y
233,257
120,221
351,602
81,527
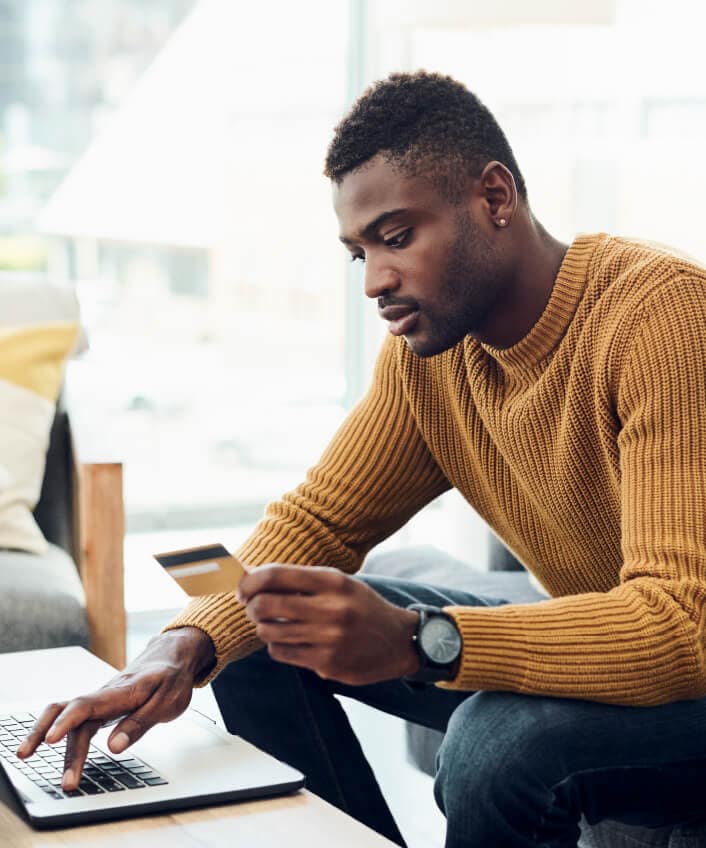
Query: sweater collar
x,y
545,335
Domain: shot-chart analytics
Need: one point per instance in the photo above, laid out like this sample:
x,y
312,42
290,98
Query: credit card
x,y
205,570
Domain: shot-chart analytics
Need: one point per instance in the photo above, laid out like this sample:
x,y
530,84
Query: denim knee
x,y
497,768
496,744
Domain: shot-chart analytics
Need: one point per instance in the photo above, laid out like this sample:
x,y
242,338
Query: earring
x,y
502,222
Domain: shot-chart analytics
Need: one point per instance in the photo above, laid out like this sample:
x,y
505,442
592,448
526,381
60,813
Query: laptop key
x,y
52,793
90,788
155,781
133,769
129,781
108,783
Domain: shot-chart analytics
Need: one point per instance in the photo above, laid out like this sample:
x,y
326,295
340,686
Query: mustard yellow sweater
x,y
583,446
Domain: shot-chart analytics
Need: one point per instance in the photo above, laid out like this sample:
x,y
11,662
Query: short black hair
x,y
427,124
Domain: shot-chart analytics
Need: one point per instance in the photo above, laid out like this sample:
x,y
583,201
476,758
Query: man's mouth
x,y
402,319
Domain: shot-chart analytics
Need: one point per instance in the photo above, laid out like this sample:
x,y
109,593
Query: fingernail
x,y
22,750
120,743
69,778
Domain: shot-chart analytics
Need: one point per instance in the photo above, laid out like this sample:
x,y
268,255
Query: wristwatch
x,y
438,645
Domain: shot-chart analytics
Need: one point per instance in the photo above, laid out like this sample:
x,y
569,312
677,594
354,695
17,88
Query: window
x,y
167,159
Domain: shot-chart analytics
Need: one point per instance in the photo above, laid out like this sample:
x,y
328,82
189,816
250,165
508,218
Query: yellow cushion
x,y
32,360
34,357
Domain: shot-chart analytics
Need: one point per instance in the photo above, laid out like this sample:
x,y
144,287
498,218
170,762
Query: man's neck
x,y
539,257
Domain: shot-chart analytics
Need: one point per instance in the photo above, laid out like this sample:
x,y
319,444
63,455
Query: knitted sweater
x,y
583,447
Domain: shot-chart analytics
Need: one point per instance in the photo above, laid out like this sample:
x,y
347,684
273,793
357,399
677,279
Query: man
x,y
561,389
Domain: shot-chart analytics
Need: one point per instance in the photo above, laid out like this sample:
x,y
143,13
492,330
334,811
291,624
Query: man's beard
x,y
469,289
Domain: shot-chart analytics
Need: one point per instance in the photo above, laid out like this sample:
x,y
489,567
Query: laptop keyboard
x,y
103,772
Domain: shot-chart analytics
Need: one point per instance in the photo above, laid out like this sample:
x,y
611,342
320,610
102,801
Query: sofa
x,y
505,577
61,512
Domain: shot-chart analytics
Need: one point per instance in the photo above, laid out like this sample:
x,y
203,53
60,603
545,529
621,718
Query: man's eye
x,y
399,239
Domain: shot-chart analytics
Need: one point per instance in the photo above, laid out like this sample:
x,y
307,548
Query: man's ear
x,y
497,186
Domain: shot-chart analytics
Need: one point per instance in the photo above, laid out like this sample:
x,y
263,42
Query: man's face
x,y
430,265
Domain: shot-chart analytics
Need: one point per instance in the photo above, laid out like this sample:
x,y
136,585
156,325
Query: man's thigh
x,y
637,765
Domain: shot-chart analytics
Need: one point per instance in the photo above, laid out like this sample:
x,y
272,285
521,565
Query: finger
x,y
103,705
314,657
164,705
37,734
77,744
131,728
268,606
306,656
282,632
309,579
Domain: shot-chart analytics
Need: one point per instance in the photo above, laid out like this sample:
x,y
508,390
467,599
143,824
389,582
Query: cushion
x,y
32,359
31,299
41,601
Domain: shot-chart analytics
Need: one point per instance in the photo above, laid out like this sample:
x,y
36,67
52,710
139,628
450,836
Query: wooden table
x,y
301,820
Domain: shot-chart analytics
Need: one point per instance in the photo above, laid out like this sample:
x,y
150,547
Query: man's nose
x,y
379,280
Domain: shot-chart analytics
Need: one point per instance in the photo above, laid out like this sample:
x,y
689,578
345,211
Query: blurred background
x,y
165,158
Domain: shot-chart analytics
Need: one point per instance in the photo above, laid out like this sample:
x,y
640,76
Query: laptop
x,y
189,762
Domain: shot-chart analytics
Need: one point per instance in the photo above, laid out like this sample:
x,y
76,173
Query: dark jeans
x,y
513,770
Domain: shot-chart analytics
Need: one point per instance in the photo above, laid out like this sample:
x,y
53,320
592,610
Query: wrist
x,y
194,650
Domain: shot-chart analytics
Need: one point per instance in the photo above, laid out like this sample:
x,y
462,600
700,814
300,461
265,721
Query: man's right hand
x,y
155,687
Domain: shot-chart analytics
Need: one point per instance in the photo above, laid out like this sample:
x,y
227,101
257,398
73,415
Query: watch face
x,y
440,640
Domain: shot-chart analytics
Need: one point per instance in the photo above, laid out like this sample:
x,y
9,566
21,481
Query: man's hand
x,y
155,687
321,619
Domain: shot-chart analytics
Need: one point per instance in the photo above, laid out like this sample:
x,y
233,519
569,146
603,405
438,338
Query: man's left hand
x,y
324,620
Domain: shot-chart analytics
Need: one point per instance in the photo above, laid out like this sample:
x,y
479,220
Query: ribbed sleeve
x,y
376,473
642,642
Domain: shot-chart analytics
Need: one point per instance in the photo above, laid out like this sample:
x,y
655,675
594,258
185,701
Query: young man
x,y
561,390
